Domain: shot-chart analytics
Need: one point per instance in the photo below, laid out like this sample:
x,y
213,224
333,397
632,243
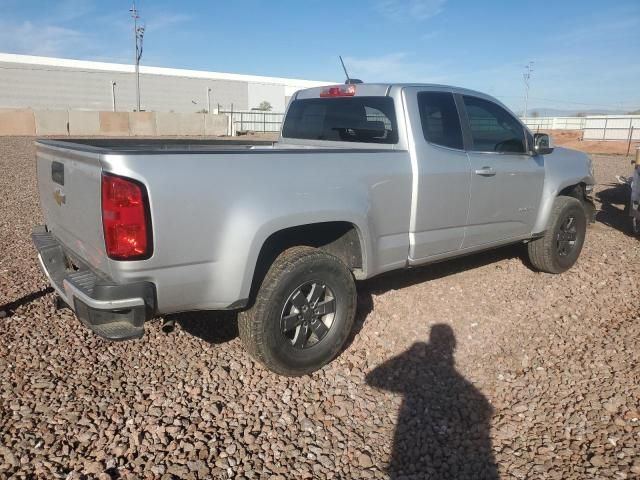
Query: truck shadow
x,y
222,326
400,279
443,426
10,308
613,212
212,327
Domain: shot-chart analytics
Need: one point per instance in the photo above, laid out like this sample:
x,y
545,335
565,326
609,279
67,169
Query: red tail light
x,y
339,91
125,218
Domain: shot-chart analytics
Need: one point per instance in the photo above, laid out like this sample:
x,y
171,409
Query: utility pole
x,y
209,100
138,34
113,95
528,70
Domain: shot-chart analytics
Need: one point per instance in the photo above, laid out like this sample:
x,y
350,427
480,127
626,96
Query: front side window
x,y
439,118
348,119
493,129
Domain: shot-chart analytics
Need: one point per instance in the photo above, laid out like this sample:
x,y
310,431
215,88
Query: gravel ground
x,y
476,368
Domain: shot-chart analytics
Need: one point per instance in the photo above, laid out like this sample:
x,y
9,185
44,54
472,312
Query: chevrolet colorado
x,y
364,179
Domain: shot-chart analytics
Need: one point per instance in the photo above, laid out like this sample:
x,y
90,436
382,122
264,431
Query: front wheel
x,y
559,248
303,313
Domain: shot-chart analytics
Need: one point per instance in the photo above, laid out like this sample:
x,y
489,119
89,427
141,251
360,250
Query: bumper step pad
x,y
118,331
111,310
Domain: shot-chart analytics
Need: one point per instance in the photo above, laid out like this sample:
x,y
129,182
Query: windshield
x,y
342,119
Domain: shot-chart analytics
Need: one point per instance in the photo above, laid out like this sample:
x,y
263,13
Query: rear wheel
x,y
559,248
303,312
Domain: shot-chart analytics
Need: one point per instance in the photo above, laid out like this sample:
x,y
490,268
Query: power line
x,y
70,70
559,101
102,72
580,103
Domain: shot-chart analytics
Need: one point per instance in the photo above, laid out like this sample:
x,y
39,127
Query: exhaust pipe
x,y
168,324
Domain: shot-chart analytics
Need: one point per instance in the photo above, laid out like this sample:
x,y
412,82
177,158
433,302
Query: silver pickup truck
x,y
364,179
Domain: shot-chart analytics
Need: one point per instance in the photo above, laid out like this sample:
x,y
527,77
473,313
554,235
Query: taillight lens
x,y
339,91
125,218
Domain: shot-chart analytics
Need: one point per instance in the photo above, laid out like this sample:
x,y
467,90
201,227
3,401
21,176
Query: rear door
x,y
69,183
506,182
440,201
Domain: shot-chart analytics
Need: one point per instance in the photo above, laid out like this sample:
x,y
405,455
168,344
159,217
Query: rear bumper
x,y
113,311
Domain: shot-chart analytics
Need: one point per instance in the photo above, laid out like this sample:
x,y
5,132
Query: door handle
x,y
486,172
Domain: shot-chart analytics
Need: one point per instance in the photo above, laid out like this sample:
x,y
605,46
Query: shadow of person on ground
x,y
614,211
443,425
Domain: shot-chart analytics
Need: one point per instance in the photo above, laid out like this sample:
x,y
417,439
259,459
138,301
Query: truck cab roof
x,y
383,89
386,89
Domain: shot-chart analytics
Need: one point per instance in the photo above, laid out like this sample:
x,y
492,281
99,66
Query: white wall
x,y
612,127
260,92
46,83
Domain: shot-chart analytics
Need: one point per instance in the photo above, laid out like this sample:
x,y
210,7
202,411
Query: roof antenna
x,y
348,81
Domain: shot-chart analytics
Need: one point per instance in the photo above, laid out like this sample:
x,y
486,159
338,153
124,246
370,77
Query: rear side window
x,y
439,118
344,119
493,129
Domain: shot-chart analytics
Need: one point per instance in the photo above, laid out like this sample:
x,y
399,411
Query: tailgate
x,y
69,183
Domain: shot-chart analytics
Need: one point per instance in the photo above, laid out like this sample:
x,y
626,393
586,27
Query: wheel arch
x,y
569,188
346,239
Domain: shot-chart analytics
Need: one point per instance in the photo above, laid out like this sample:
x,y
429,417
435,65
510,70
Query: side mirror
x,y
542,144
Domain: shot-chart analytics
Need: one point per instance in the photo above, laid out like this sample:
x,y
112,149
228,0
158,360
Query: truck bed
x,y
208,195
156,146
152,145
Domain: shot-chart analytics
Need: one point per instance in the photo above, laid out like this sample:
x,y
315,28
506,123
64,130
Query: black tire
x,y
555,252
262,326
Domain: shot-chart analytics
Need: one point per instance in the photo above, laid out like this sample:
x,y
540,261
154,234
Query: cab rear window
x,y
344,119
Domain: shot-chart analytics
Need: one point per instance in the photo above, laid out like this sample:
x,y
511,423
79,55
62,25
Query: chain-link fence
x,y
594,127
600,127
554,123
253,121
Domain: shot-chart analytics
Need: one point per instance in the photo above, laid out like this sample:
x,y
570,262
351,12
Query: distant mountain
x,y
558,112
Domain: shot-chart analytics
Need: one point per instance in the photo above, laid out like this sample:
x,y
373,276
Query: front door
x,y
506,181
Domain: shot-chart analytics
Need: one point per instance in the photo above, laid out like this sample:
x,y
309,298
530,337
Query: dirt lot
x,y
573,139
475,368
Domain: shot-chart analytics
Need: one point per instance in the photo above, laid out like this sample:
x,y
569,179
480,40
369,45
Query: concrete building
x,y
43,83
